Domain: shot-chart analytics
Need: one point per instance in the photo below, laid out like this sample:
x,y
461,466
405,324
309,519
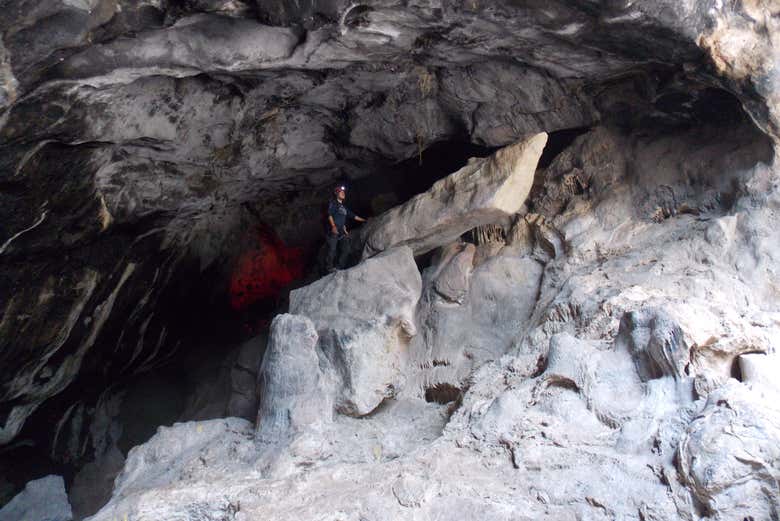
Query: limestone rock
x,y
592,364
161,116
452,282
176,452
483,192
41,500
572,361
293,391
249,45
364,317
469,315
761,369
656,342
730,454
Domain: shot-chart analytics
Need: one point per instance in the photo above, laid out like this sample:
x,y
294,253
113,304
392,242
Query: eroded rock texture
x,y
364,318
593,373
594,355
43,499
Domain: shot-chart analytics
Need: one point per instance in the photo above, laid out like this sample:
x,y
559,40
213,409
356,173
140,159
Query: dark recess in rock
x,y
557,142
442,393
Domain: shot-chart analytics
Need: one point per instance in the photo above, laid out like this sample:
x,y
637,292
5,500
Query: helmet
x,y
339,188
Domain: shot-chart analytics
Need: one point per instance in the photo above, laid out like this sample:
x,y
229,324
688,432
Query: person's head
x,y
340,192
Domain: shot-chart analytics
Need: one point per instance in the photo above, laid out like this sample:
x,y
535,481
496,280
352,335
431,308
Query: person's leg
x,y
343,252
333,243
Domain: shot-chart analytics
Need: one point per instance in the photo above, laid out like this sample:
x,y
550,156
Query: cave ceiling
x,y
173,103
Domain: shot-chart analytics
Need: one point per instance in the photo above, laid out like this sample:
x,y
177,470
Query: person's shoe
x,y
332,270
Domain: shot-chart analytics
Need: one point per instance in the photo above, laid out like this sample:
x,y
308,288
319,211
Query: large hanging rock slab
x,y
292,387
41,500
364,317
482,192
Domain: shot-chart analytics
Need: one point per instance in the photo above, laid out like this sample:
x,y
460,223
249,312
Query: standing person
x,y
338,233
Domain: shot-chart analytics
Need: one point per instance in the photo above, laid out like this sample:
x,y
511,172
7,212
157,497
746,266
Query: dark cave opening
x,y
736,370
396,183
443,393
557,142
204,332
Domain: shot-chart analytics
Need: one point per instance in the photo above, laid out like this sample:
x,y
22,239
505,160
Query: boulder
x,y
759,368
292,387
364,317
484,191
730,454
469,315
177,452
41,500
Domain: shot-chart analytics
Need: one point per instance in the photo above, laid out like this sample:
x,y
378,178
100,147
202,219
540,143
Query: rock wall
x,y
582,362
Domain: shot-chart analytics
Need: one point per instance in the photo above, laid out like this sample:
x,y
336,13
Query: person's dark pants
x,y
338,249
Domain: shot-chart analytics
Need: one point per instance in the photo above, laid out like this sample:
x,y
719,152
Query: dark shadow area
x,y
185,377
399,182
736,370
559,141
442,393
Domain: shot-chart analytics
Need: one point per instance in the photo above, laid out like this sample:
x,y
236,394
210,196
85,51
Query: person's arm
x,y
331,221
352,215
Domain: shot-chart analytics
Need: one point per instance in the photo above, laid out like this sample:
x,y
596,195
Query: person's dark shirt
x,y
340,213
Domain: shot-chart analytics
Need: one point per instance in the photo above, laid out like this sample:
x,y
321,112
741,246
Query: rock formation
x,y
294,392
601,346
586,379
365,318
482,192
43,499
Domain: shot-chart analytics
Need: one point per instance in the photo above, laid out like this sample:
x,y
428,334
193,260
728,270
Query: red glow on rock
x,y
264,269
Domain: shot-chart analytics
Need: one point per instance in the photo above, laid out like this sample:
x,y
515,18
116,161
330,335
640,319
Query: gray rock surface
x,y
483,192
730,455
41,500
469,314
293,391
591,360
605,388
364,317
180,452
760,369
132,131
